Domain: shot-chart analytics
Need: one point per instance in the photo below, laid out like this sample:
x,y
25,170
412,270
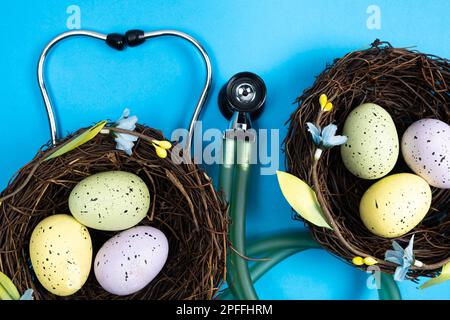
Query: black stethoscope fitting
x,y
132,38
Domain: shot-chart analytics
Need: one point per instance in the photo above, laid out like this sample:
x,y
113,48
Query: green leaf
x,y
444,276
79,140
302,198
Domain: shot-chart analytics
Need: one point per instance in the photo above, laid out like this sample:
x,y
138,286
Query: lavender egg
x,y
130,260
426,150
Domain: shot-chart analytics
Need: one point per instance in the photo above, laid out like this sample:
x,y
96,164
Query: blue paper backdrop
x,y
286,42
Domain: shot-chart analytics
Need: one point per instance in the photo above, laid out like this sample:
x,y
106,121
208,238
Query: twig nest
x,y
183,205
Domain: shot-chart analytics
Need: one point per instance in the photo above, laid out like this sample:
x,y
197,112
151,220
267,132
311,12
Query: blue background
x,y
286,42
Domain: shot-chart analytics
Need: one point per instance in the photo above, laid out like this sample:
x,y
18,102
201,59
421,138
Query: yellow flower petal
x,y
163,144
162,153
444,276
358,261
82,138
328,106
369,261
323,100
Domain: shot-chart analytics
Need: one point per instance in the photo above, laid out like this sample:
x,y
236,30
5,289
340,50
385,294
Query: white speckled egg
x,y
426,150
396,204
372,147
110,201
130,260
61,254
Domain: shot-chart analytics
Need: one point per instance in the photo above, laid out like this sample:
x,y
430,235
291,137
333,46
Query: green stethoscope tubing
x,y
233,182
279,247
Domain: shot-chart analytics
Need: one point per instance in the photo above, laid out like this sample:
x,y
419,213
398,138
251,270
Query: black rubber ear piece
x,y
134,38
116,41
229,101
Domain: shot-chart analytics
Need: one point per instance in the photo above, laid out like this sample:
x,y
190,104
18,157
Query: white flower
x,y
125,142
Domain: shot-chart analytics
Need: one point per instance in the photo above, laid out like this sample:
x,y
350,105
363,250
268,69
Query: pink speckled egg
x,y
426,150
130,260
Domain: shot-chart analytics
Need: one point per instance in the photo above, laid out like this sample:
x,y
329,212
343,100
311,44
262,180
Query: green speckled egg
x,y
396,204
61,254
372,148
110,201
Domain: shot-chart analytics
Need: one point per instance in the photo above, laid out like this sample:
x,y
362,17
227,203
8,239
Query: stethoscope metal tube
x,y
207,85
40,74
139,37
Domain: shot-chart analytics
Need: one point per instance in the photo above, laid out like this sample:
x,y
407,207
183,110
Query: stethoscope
x,y
241,101
131,38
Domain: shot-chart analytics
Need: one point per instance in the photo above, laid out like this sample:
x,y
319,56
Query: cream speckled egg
x,y
61,254
130,260
396,204
426,150
110,201
372,148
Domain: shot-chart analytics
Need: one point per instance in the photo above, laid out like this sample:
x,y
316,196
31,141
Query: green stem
x,y
130,132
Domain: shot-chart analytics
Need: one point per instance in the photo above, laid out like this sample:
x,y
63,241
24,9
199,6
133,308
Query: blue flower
x,y
326,138
403,257
125,141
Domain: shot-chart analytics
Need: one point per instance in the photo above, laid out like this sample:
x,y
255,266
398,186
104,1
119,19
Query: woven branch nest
x,y
410,85
184,205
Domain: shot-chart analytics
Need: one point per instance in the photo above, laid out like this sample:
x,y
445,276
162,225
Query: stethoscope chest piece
x,y
245,92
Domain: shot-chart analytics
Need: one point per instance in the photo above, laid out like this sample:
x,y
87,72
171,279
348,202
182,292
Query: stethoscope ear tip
x,y
132,38
116,41
245,92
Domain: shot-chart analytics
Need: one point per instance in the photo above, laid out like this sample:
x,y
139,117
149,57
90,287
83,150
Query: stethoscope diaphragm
x,y
244,92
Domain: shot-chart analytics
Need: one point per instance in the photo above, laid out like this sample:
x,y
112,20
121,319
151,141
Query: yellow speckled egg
x,y
61,254
110,201
372,148
396,204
